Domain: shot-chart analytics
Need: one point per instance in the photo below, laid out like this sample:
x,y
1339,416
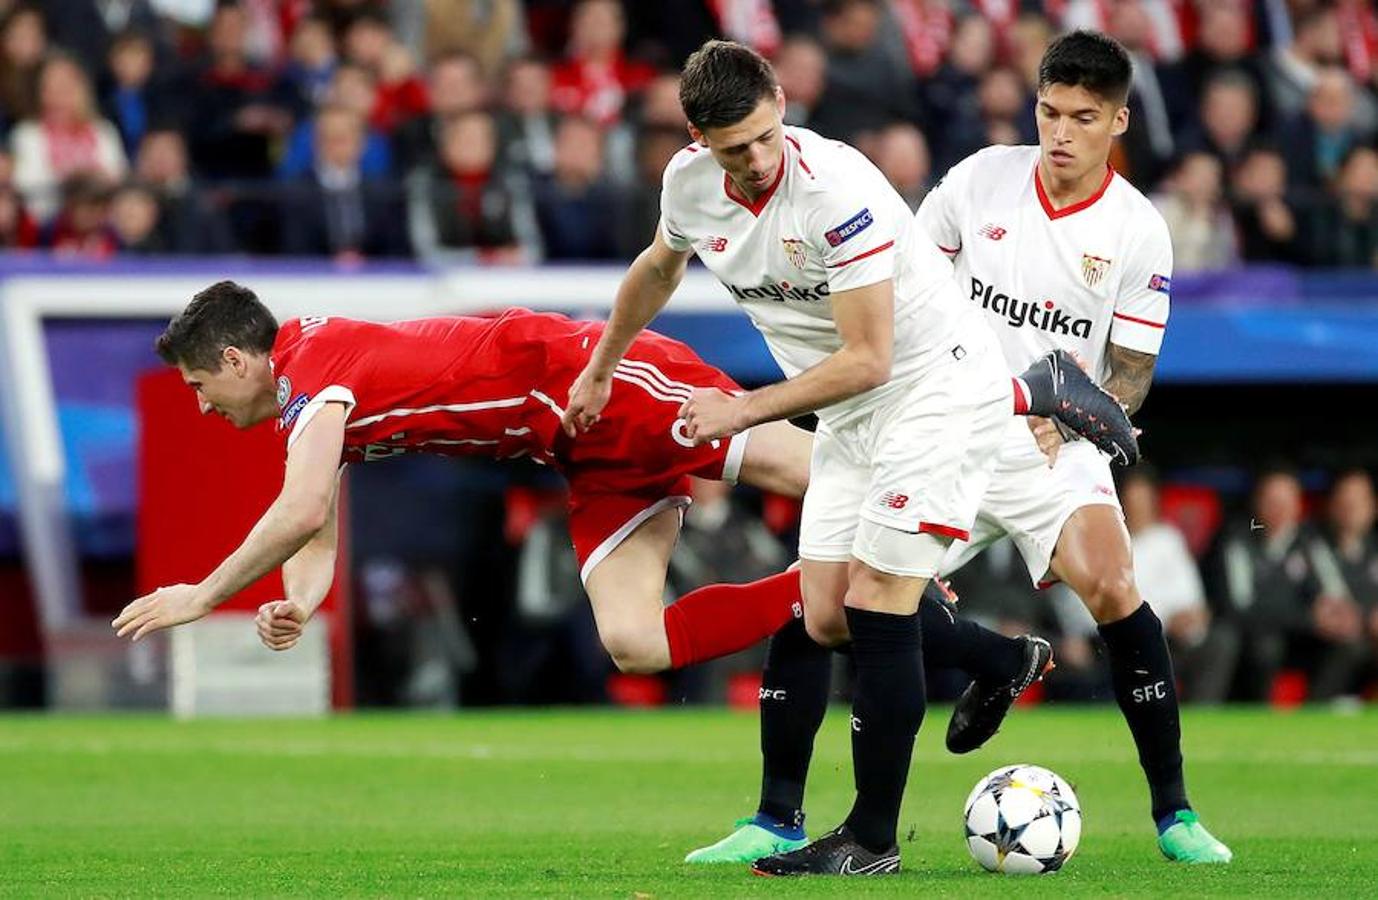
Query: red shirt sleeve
x,y
313,366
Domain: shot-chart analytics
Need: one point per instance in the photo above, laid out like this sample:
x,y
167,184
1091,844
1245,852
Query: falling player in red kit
x,y
349,391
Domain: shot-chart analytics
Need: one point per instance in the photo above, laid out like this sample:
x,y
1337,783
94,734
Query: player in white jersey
x,y
1057,252
1060,252
861,312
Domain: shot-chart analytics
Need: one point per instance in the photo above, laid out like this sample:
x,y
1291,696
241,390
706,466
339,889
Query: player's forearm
x,y
644,291
308,574
282,531
1131,374
847,373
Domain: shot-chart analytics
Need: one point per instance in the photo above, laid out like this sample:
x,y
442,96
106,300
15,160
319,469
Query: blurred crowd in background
x,y
514,132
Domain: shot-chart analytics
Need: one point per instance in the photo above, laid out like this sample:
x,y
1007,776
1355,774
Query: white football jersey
x,y
831,222
1074,278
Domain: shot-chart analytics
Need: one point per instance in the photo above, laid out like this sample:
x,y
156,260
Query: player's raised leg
x,y
626,590
642,635
1093,558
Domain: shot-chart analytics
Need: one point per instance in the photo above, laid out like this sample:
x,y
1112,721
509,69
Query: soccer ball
x,y
1022,820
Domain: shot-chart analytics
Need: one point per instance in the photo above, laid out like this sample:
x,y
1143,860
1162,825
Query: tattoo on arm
x,y
1131,372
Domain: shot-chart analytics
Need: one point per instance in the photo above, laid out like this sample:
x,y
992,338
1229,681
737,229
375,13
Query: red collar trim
x,y
755,208
1047,204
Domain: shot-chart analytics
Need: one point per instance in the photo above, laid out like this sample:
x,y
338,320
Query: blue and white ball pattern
x,y
1022,820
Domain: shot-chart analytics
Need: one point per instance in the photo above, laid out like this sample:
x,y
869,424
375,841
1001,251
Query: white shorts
x,y
919,465
1031,503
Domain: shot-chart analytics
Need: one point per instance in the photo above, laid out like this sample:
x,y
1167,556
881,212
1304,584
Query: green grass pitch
x,y
606,803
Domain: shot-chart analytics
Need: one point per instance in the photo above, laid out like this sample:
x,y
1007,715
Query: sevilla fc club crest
x,y
1093,269
794,249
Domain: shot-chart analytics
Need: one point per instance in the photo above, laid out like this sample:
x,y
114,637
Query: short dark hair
x,y
223,315
1090,60
722,83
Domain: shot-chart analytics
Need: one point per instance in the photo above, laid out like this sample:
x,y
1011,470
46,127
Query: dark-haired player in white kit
x,y
862,314
1060,253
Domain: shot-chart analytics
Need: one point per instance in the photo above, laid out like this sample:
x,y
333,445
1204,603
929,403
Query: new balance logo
x,y
714,244
894,500
994,232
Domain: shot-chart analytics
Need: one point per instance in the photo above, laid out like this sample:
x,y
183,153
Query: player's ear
x,y
780,100
234,358
697,136
1121,122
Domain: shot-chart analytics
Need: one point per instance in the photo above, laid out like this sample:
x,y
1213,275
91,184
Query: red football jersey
x,y
467,386
496,387
456,385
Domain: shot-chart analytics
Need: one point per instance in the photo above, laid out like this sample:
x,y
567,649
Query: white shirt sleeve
x,y
671,231
939,215
335,393
854,231
1141,309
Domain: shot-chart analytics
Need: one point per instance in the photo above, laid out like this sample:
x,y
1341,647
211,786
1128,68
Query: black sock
x,y
887,708
794,698
951,642
1141,671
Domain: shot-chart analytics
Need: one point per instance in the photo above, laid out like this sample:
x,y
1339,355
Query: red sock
x,y
1022,397
719,619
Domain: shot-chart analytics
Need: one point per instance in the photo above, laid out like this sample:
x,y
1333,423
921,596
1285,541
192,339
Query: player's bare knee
x,y
828,630
871,588
632,660
1112,595
633,652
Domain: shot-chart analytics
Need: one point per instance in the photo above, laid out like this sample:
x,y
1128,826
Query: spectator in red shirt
x,y
370,42
595,79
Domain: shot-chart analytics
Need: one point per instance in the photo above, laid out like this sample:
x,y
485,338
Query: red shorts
x,y
636,460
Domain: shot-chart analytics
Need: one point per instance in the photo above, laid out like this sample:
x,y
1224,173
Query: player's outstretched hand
x,y
164,608
587,397
710,414
280,624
